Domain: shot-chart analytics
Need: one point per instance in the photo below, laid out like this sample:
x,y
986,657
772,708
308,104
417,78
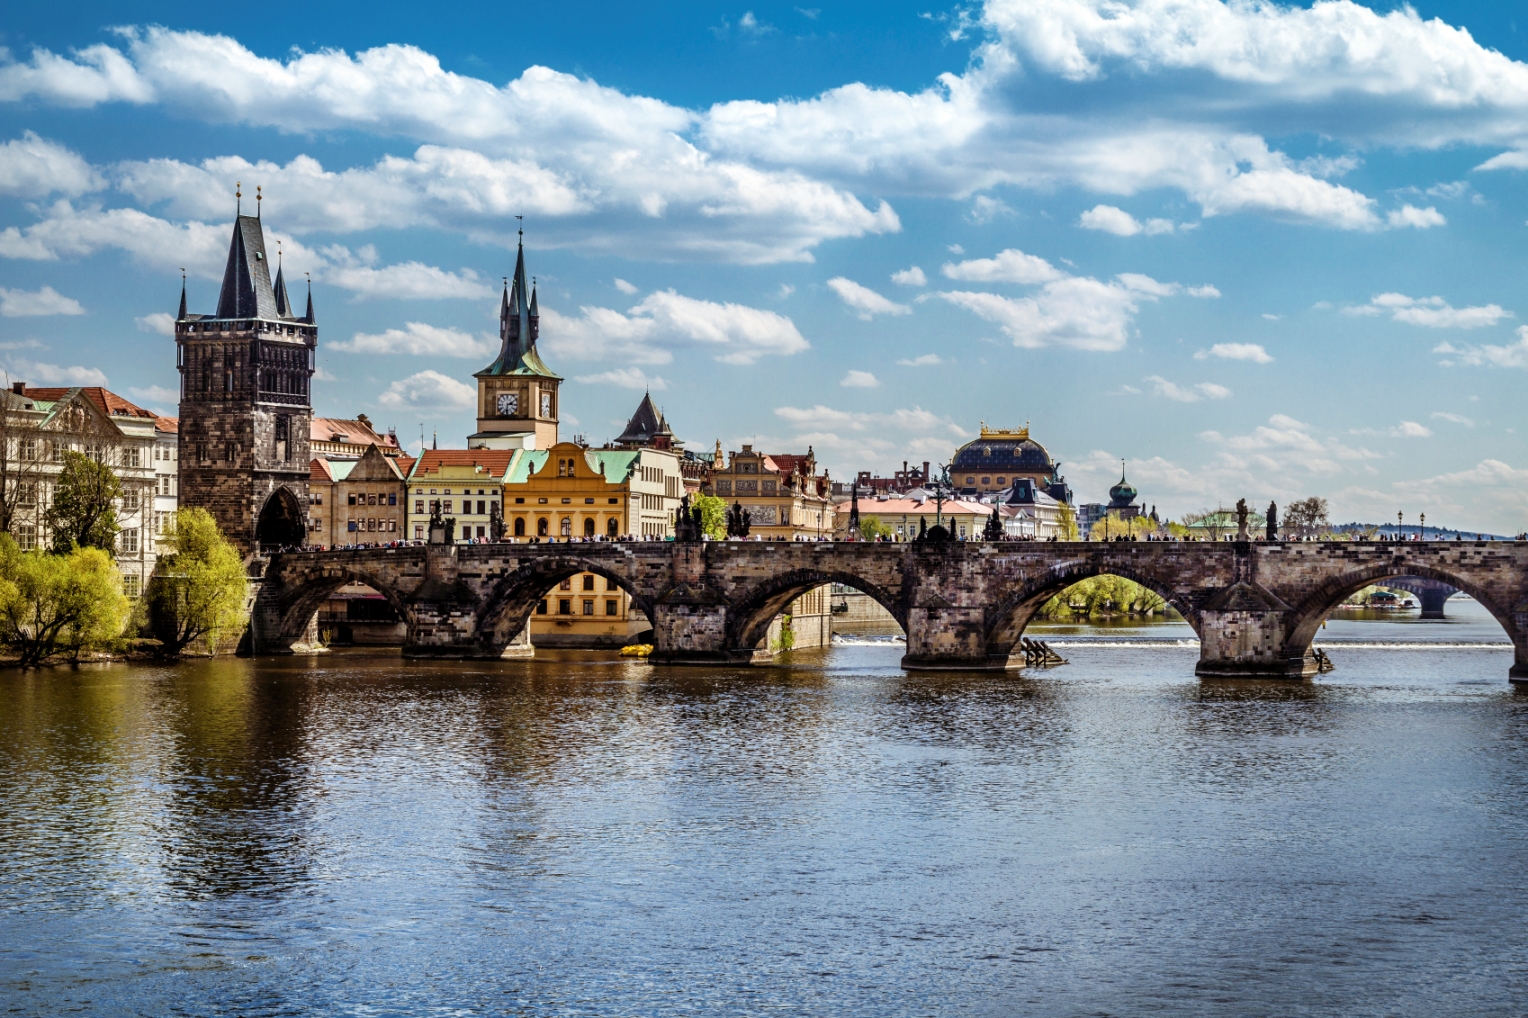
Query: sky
x,y
1253,250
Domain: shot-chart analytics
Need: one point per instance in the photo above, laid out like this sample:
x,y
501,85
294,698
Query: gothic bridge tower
x,y
245,401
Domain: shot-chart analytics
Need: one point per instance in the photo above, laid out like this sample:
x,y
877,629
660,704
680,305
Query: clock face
x,y
546,404
509,402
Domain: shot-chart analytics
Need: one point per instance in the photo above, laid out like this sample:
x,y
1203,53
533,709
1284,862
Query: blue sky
x,y
1258,251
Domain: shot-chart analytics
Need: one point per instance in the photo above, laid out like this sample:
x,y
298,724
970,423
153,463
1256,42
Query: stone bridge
x,y
1255,606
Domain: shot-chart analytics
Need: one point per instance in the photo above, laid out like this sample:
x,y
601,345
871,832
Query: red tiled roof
x,y
168,425
495,461
108,402
325,429
318,470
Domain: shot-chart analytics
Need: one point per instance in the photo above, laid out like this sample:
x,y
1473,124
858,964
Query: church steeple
x,y
517,393
309,316
283,302
182,315
519,327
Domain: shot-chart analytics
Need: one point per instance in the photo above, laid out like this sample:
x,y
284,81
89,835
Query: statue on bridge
x,y
688,528
993,531
1241,520
1273,521
738,521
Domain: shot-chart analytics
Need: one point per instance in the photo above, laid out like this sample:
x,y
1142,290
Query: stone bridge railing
x,y
1256,607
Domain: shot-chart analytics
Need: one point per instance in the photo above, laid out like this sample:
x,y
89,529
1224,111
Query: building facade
x,y
166,474
337,438
245,401
782,493
358,501
999,457
465,486
908,516
517,397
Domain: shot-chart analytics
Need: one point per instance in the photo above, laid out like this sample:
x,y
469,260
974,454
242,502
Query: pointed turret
x,y
647,427
283,302
247,291
309,316
182,315
519,328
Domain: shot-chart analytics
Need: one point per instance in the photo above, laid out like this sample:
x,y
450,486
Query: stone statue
x,y
1241,520
1273,521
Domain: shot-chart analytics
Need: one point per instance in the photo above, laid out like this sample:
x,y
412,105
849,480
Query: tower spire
x,y
238,197
283,301
182,316
309,316
258,199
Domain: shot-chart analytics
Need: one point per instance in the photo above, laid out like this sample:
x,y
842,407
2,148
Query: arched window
x,y
519,526
567,526
589,527
541,527
612,528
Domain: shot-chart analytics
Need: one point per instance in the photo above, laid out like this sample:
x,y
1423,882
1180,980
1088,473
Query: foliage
x,y
871,527
51,604
199,589
713,516
1067,522
1103,596
787,634
1112,526
1306,516
1179,530
83,512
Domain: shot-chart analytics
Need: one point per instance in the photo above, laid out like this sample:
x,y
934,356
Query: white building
x,y
166,492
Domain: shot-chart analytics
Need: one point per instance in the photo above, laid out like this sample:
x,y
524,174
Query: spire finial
x,y
258,198
182,316
521,221
238,197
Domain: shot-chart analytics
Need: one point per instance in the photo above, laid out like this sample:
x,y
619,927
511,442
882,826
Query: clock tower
x,y
517,393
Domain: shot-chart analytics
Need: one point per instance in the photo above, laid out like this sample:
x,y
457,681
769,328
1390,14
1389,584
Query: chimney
x,y
19,388
925,470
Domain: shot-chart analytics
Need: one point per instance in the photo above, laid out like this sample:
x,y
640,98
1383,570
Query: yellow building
x,y
782,493
463,485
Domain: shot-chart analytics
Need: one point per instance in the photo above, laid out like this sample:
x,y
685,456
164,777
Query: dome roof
x,y
1000,451
1123,493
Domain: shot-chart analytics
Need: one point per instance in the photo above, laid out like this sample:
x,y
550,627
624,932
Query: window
x,y
612,528
1002,480
986,480
419,531
588,606
567,526
132,585
130,500
482,531
350,499
970,480
466,533
589,526
541,527
231,453
419,506
26,536
611,584
566,584
371,499
482,507
129,457
392,498
128,539
541,607
612,607
350,526
445,505
588,581
29,448
392,526
519,526
614,501
26,493
564,606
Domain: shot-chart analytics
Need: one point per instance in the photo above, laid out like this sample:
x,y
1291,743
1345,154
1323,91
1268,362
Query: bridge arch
x,y
301,602
1009,617
1312,610
506,611
749,616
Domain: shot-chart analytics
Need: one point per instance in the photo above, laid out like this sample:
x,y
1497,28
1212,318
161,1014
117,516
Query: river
x,y
358,835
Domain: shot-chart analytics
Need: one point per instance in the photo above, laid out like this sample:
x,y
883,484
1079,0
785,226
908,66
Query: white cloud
x,y
649,332
428,391
1272,317
859,380
926,360
420,340
850,440
1253,352
408,280
1410,215
1513,355
33,304
1442,415
33,167
159,322
155,394
1186,393
38,372
985,209
1121,223
1432,312
1205,292
910,277
1010,266
865,301
626,378
1410,429
624,287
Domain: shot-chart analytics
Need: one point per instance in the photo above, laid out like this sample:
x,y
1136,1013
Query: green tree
x,y
59,603
713,516
83,513
1067,522
1307,517
1103,596
871,528
1112,526
199,589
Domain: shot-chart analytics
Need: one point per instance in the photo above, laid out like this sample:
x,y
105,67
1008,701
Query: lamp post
x,y
1422,535
1398,533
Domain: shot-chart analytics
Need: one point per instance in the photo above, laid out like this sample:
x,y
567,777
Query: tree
x,y
713,516
1113,525
871,528
54,603
83,513
1105,595
1067,523
199,589
1306,516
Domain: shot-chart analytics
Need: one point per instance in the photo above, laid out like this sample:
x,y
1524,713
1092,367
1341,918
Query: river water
x,y
358,835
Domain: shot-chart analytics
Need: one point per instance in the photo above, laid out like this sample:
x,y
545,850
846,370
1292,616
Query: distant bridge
x,y
1255,606
1431,593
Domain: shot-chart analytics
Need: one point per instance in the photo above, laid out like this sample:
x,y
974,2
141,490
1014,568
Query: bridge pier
x,y
947,638
1243,635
